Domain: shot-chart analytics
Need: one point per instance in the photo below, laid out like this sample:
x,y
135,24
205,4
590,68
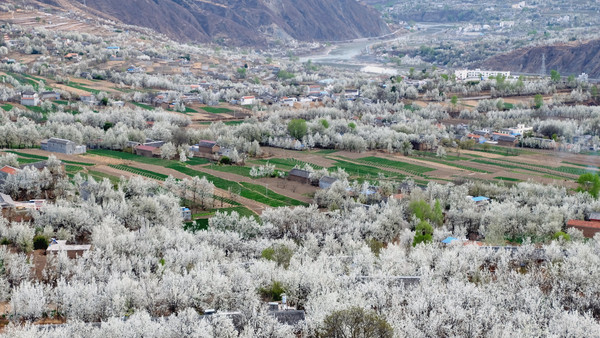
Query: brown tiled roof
x,y
578,223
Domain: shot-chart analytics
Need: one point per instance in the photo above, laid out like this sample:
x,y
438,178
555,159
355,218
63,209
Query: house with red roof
x,y
589,228
148,151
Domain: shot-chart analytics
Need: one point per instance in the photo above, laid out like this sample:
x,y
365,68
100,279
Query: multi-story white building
x,y
29,98
478,74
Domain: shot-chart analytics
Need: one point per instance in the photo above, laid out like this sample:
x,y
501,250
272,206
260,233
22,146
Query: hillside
x,y
568,59
242,22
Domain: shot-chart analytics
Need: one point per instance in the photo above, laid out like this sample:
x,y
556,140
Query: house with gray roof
x,y
58,145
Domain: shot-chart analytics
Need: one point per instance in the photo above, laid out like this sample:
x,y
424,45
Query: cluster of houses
x,y
504,137
31,98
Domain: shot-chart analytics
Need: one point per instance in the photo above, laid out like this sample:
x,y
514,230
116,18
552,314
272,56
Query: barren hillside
x,y
242,22
568,59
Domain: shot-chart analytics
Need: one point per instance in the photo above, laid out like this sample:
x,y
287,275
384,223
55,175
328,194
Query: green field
x,y
365,171
7,107
233,169
582,165
141,105
413,169
217,110
43,158
510,179
141,172
455,165
79,86
251,191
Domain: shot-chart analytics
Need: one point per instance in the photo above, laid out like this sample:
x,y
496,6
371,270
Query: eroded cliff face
x,y
243,22
568,59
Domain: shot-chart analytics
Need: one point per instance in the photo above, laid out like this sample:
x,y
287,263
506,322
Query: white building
x,y
248,100
520,129
30,99
477,74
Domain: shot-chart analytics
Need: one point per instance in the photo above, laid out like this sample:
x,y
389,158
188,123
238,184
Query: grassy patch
x,y
99,176
141,105
326,151
217,110
510,179
79,86
43,158
233,169
7,107
581,165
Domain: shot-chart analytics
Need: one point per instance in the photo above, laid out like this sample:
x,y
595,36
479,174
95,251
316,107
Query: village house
x,y
40,165
519,130
72,250
57,145
147,151
326,181
29,98
478,74
247,100
299,175
50,96
504,139
313,90
205,147
88,99
589,228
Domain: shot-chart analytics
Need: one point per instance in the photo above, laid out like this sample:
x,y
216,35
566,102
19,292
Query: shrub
x,y
562,235
40,242
355,322
225,160
273,292
280,254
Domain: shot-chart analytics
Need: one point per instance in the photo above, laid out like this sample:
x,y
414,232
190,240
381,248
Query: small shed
x,y
480,199
186,214
326,181
147,151
6,201
449,240
299,175
207,147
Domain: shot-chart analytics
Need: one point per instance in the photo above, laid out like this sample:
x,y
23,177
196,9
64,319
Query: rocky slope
x,y
568,59
243,22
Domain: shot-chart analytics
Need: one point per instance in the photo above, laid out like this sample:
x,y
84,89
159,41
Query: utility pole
x,y
543,64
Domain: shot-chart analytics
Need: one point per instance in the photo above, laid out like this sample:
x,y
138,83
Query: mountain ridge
x,y
242,22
